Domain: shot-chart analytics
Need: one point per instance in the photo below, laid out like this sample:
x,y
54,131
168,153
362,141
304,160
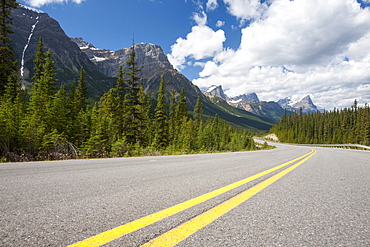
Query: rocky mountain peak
x,y
82,44
149,57
215,91
307,100
244,98
285,103
306,104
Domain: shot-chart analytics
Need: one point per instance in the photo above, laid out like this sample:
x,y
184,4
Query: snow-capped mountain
x,y
215,91
306,104
100,64
285,103
244,98
251,103
151,61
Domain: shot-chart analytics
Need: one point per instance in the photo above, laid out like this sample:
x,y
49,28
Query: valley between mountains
x,y
101,67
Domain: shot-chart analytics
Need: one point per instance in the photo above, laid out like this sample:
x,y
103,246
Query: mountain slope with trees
x,y
99,65
349,125
56,122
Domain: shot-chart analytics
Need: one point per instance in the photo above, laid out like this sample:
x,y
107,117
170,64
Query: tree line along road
x,y
288,196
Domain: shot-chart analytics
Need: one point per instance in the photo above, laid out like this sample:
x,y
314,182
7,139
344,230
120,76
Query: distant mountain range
x,y
101,66
270,109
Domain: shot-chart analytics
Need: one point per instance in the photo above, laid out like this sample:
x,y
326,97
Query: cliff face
x,y
151,61
28,26
269,109
215,91
306,105
149,58
243,98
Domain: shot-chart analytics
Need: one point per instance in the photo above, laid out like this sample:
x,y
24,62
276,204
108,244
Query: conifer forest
x,y
51,121
348,125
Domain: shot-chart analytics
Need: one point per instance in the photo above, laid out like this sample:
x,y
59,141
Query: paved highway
x,y
289,196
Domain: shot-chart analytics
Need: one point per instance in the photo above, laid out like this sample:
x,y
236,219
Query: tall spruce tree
x,y
182,113
119,116
133,116
172,116
81,92
161,135
38,61
8,64
198,111
39,123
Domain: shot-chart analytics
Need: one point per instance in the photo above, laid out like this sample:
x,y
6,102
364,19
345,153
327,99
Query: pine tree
x,y
38,122
39,61
133,116
59,111
161,135
8,64
182,114
119,109
81,92
198,110
172,116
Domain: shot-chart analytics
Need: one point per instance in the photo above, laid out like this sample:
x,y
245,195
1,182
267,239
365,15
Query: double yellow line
x,y
183,231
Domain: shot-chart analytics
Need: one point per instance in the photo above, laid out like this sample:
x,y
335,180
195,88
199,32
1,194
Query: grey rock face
x,y
306,104
244,98
215,91
28,26
269,109
151,61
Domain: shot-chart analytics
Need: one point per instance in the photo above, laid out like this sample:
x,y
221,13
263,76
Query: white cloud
x,y
220,23
325,46
202,42
211,5
39,3
246,9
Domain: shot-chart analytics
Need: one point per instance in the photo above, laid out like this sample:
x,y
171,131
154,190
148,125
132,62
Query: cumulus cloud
x,y
211,5
202,42
220,23
39,3
320,48
246,9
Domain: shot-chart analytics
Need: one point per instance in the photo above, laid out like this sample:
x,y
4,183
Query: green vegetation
x,y
349,125
54,123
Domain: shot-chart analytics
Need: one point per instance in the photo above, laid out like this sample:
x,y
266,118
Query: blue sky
x,y
276,48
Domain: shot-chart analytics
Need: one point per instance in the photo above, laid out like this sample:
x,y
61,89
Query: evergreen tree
x,y
119,109
133,116
39,61
182,114
172,116
81,92
38,122
8,64
161,135
12,113
198,110
59,111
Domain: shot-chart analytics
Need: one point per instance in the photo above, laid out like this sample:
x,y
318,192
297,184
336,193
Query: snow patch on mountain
x,y
31,9
27,44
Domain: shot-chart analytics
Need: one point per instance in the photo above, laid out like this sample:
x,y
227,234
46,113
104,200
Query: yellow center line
x,y
178,234
120,231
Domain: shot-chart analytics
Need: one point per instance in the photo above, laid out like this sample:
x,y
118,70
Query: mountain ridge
x,y
271,109
29,25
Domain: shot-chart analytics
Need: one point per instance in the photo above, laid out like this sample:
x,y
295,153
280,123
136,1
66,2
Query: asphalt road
x,y
325,201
